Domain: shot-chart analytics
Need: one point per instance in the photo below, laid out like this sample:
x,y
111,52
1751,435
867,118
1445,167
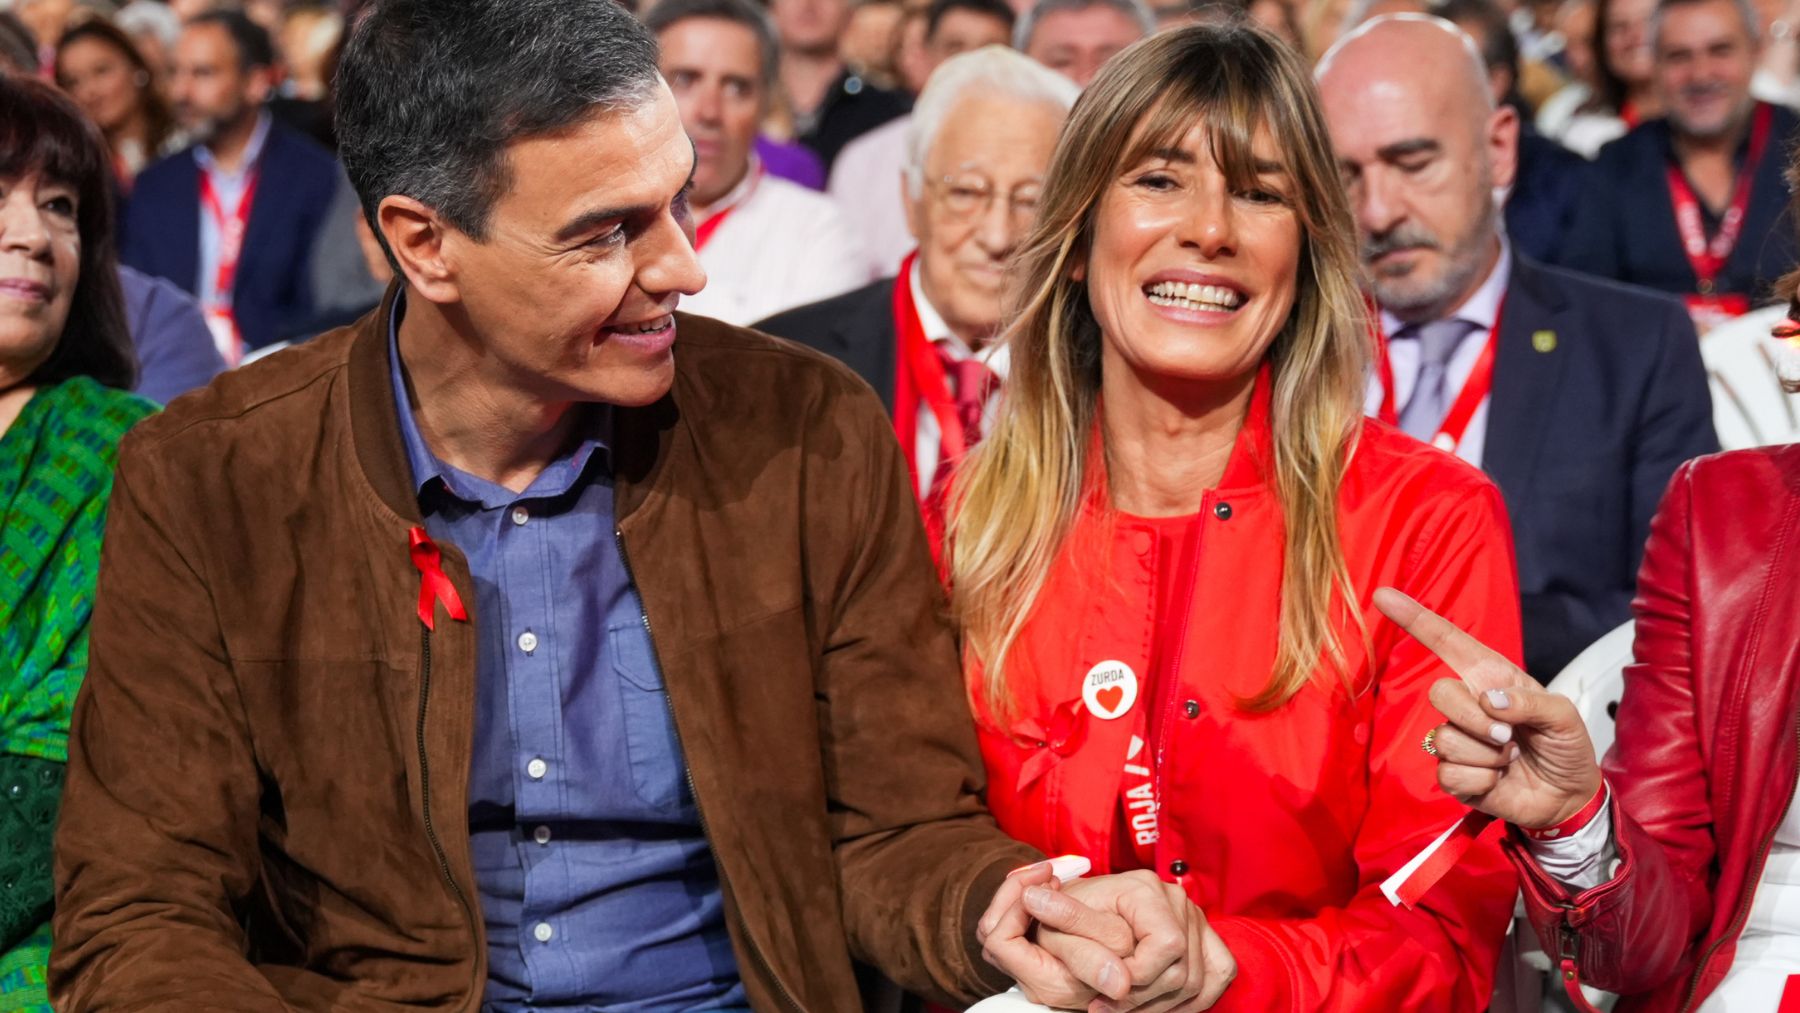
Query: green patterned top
x,y
56,467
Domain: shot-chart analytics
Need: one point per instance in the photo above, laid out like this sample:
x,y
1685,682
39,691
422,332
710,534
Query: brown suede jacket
x,y
266,805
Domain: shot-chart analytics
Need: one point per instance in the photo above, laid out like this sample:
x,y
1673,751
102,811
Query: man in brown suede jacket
x,y
503,652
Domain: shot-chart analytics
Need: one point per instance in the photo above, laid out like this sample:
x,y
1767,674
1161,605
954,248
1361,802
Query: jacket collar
x,y
1525,378
643,438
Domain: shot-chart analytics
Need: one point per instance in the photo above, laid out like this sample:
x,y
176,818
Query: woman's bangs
x,y
37,138
1231,114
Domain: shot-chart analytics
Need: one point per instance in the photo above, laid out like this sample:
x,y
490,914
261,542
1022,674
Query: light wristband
x,y
1573,824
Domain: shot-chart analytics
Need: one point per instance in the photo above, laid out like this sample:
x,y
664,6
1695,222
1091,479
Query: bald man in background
x,y
1578,396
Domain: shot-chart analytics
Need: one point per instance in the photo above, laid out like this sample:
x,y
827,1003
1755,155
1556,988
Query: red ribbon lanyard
x,y
231,228
434,584
1708,259
704,232
919,376
1474,391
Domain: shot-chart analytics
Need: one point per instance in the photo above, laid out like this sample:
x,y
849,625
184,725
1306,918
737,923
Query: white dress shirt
x,y
865,183
992,355
1481,309
782,246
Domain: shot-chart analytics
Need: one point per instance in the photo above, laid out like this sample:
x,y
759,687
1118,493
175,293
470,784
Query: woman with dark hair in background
x,y
101,68
65,366
1584,116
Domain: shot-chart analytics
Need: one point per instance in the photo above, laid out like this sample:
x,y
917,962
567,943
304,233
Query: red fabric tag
x,y
1790,996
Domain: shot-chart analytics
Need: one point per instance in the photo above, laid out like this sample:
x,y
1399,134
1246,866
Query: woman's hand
x,y
1508,747
1106,945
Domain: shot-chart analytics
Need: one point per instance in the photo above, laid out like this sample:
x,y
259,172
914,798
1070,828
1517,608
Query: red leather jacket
x,y
1281,826
1705,762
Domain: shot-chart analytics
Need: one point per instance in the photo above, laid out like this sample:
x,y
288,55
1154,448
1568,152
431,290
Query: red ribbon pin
x,y
434,586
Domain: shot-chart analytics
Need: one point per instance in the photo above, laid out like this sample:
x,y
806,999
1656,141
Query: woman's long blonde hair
x,y
1019,493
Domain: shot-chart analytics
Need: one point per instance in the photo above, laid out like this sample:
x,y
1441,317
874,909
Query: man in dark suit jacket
x,y
1719,141
222,77
857,328
1597,389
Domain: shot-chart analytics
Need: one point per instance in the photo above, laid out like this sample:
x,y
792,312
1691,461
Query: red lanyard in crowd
x,y
1474,390
1708,259
231,228
704,232
919,376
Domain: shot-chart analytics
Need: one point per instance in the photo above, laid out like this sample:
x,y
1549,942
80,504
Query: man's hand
x,y
1107,945
1508,747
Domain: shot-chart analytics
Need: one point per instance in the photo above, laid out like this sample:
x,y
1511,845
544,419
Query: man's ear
x,y
1502,142
416,235
260,85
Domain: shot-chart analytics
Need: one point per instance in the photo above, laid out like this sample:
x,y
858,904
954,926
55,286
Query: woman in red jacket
x,y
1674,879
1163,558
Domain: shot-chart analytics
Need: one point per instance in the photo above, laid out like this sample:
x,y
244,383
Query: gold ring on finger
x,y
1430,743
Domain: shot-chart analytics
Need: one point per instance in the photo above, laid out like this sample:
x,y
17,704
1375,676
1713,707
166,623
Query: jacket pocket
x,y
658,770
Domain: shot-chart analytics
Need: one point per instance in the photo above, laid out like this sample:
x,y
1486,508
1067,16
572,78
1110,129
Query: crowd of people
x,y
685,506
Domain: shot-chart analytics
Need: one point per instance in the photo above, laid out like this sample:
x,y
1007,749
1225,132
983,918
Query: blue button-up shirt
x,y
597,885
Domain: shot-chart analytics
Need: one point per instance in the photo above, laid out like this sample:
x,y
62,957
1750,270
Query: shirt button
x,y
1222,511
543,933
537,768
1191,708
520,515
1178,868
528,641
541,835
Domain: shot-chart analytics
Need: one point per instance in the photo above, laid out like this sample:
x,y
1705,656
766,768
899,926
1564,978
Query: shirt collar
x,y
562,475
1482,308
259,137
742,192
939,333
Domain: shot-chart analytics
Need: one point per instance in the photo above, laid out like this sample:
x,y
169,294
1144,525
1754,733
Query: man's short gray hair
x,y
1745,12
1136,10
989,71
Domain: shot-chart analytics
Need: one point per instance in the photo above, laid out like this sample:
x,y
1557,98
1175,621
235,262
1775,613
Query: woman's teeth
x,y
1195,297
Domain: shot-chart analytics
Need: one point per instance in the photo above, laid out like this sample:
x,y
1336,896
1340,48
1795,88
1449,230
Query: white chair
x,y
1743,367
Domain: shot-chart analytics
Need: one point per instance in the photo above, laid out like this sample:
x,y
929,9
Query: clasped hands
x,y
1105,945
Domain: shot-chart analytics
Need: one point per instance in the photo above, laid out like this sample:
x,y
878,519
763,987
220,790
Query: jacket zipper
x,y
787,998
1744,904
437,846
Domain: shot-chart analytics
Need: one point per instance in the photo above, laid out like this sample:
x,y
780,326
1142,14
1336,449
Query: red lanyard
x,y
231,228
1474,391
704,232
919,376
1708,259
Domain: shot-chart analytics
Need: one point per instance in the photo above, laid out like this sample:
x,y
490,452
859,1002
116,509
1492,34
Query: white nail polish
x,y
1500,733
